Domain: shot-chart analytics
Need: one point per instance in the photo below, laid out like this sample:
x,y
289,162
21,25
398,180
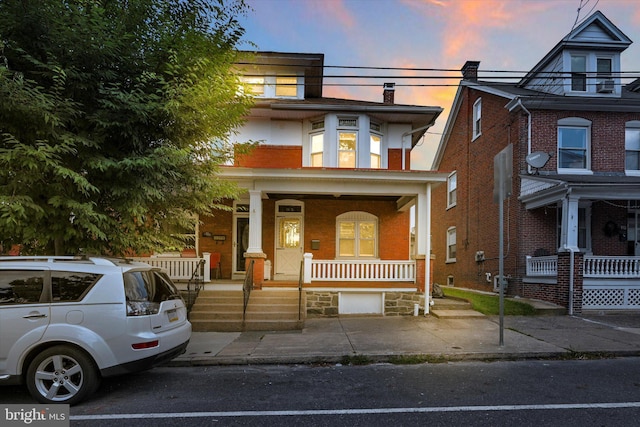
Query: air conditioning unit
x,y
605,86
496,282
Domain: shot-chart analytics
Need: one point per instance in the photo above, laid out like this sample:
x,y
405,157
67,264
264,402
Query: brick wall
x,y
272,156
475,215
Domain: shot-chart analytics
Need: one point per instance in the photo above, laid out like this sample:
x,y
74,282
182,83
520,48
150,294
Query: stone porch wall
x,y
325,303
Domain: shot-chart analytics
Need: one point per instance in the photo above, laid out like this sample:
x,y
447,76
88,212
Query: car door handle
x,y
35,316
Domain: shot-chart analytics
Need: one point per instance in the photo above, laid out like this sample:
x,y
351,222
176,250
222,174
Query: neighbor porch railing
x,y
612,267
595,266
546,266
358,270
180,269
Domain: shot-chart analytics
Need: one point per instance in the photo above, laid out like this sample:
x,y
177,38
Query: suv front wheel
x,y
62,374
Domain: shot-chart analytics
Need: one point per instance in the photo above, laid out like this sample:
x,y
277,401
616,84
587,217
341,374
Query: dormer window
x,y
286,87
274,86
592,73
255,85
579,73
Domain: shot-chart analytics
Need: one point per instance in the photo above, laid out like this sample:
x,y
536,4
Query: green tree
x,y
114,116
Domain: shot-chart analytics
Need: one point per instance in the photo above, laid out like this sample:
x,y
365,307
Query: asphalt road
x,y
524,393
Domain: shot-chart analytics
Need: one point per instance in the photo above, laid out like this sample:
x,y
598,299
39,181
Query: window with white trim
x,y
338,141
451,244
317,144
452,187
255,85
477,118
347,142
574,140
357,235
375,146
604,68
286,87
632,147
578,73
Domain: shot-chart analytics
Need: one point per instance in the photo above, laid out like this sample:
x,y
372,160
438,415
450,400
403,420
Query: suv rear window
x,y
71,286
145,290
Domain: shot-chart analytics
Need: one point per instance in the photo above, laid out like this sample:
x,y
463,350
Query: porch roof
x,y
337,183
542,190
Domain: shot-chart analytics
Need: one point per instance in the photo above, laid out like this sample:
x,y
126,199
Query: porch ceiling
x,y
537,191
349,197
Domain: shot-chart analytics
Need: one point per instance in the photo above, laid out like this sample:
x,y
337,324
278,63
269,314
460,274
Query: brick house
x,y
329,188
571,223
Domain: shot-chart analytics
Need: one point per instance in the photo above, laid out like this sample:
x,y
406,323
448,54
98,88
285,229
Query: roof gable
x,y
596,33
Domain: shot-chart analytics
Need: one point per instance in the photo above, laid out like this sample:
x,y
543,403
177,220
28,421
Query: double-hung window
x,y
317,144
632,147
578,73
603,68
451,244
574,145
347,142
286,87
255,85
375,146
452,187
477,118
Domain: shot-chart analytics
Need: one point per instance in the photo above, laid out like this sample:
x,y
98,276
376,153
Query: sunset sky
x,y
504,35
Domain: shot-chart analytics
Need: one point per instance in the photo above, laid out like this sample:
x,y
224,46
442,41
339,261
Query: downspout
x,y
528,129
571,261
423,128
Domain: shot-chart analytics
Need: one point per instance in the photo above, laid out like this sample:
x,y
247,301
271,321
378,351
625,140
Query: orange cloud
x,y
333,11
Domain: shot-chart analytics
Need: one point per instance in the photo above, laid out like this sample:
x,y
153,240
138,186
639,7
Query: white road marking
x,y
364,411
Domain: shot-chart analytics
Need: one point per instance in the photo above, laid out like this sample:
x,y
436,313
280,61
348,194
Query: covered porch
x,y
608,282
597,262
339,227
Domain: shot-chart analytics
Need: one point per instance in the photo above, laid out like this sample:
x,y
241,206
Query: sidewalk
x,y
383,339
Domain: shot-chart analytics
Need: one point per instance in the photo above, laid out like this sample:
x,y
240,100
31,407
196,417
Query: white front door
x,y
288,239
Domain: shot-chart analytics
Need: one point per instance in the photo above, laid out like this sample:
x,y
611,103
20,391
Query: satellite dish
x,y
537,159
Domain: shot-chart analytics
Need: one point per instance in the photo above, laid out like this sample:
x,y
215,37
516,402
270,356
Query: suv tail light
x,y
142,308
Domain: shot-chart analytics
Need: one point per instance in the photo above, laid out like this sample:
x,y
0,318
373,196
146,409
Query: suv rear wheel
x,y
62,374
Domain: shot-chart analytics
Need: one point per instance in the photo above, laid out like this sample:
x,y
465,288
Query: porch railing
x,y
595,266
356,270
542,266
612,267
180,269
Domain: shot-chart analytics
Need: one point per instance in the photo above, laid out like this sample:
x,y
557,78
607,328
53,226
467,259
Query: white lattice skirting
x,y
611,298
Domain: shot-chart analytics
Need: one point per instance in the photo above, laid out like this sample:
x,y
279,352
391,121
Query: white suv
x,y
66,322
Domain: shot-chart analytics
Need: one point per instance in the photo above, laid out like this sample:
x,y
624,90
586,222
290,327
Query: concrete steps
x,y
452,308
267,310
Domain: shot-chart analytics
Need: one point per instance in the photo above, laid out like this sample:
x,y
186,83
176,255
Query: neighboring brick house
x,y
571,224
330,183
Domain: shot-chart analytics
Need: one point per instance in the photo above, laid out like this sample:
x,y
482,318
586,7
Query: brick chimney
x,y
470,70
388,93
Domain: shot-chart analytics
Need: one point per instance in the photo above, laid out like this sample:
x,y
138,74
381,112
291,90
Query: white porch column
x,y
255,222
569,227
308,258
423,239
207,266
